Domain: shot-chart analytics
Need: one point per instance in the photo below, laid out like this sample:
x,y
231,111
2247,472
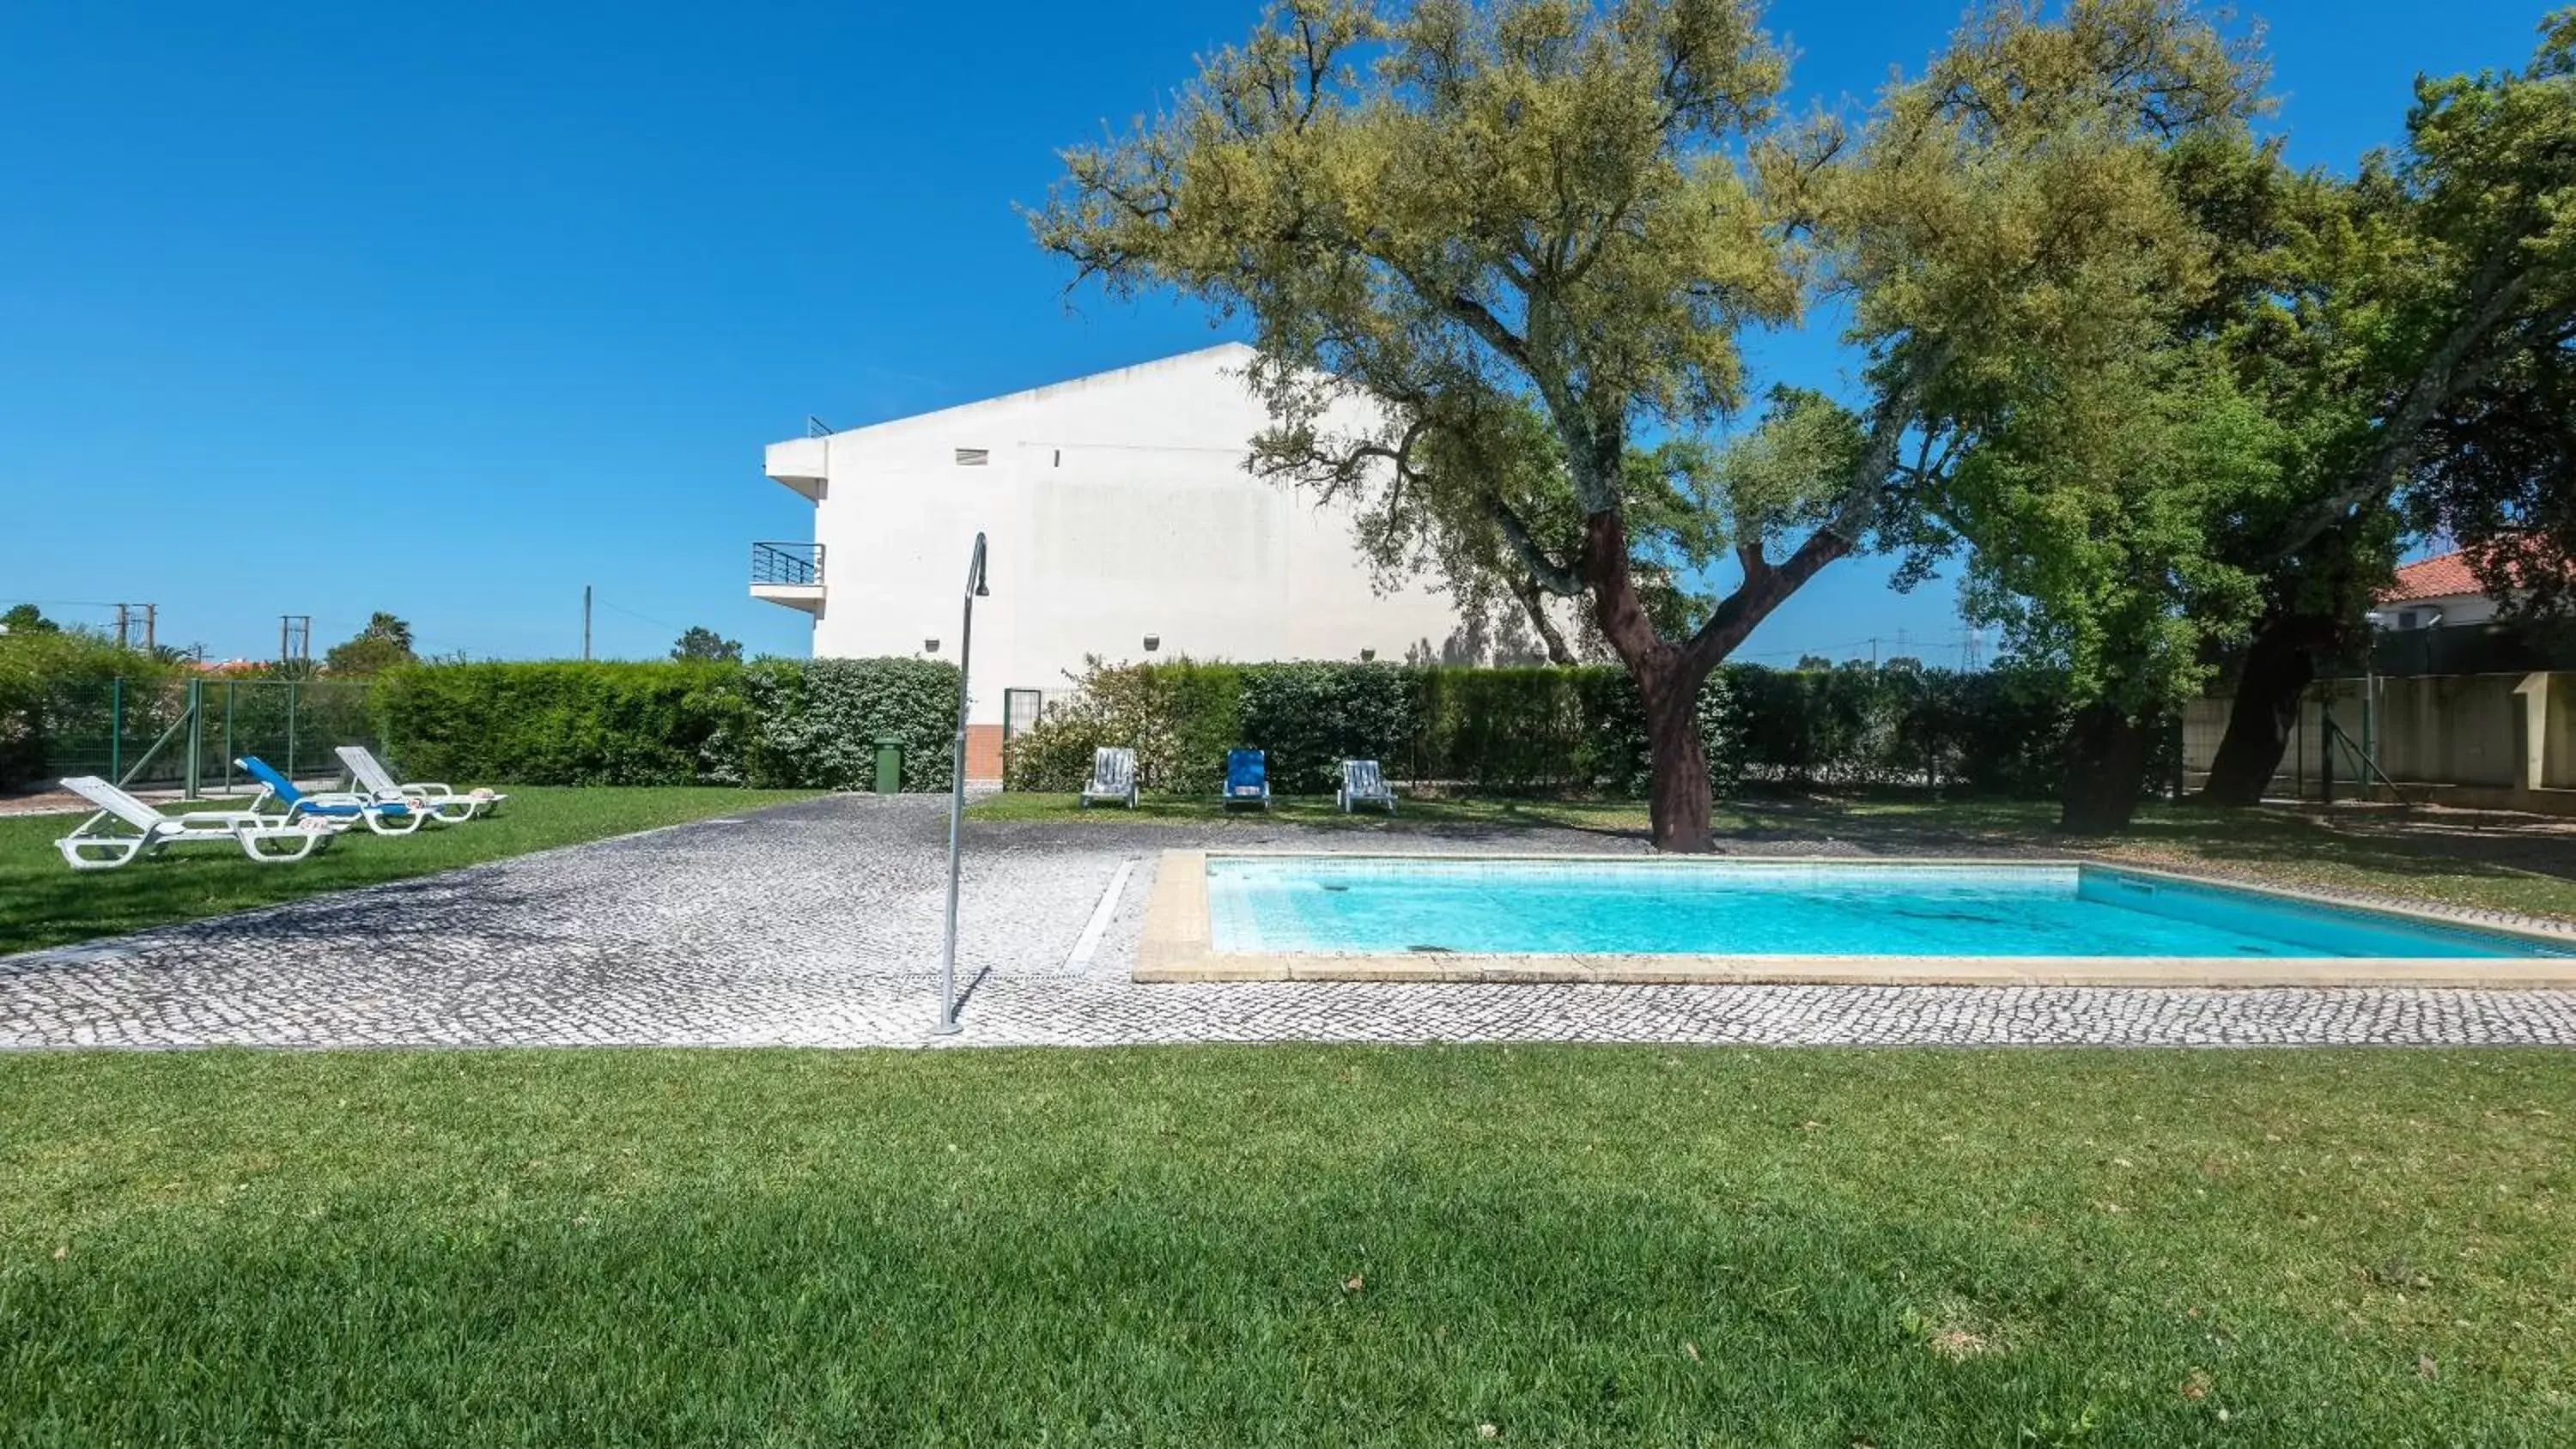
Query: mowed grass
x,y
1289,1246
2436,859
1411,812
45,903
2433,858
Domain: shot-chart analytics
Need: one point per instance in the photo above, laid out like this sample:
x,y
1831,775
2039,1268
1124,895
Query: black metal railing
x,y
787,563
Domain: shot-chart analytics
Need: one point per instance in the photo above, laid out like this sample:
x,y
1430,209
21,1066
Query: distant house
x,y
1122,523
2443,590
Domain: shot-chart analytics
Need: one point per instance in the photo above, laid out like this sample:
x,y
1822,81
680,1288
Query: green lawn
x,y
1614,815
45,903
2434,859
1293,1246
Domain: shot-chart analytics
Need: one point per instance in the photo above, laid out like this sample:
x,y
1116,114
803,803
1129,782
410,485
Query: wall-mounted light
x,y
929,646
1153,642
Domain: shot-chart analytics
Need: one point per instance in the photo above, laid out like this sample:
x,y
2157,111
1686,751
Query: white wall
x,y
2449,611
1115,506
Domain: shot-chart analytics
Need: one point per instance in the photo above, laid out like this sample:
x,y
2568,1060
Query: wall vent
x,y
973,457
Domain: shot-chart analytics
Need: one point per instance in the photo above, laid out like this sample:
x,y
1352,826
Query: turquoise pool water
x,y
1390,906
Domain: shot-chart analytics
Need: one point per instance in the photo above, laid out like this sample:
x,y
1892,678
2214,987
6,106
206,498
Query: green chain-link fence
x,y
189,732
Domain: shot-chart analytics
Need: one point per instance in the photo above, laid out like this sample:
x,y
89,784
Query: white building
x,y
2443,590
1121,523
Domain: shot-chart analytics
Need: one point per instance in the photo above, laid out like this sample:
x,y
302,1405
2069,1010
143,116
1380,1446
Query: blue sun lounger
x,y
1247,778
339,809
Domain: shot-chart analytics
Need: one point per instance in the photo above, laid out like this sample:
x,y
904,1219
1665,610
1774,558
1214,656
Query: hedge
x,y
813,724
1544,729
64,693
774,723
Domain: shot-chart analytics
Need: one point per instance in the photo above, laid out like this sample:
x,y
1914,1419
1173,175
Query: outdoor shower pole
x,y
975,589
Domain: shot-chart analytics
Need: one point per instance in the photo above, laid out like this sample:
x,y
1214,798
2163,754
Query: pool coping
x,y
1178,945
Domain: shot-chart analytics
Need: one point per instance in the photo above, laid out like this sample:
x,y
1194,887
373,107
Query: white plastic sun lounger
x,y
1113,777
91,847
337,809
1363,784
445,806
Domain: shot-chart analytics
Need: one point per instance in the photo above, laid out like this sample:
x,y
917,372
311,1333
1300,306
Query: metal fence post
x,y
290,727
196,773
116,728
2325,745
228,736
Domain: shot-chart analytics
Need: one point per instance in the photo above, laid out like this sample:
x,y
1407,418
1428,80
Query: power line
x,y
641,618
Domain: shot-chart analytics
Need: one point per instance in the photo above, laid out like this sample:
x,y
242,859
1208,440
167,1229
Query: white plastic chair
x,y
90,848
1363,784
445,806
1113,777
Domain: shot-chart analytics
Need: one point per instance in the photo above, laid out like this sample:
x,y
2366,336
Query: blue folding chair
x,y
339,809
1247,778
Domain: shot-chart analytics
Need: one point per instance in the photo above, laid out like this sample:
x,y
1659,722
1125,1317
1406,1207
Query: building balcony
x,y
789,574
802,464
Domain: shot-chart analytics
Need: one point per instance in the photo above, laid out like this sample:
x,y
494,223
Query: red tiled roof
x,y
2449,574
2437,577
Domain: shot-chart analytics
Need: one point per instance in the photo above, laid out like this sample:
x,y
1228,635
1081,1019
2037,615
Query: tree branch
x,y
2456,365
1546,572
1766,586
1534,604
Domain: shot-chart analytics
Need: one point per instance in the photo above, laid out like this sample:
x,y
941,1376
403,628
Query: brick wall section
x,y
983,754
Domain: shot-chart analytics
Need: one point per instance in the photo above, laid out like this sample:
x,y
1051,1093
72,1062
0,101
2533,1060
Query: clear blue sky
x,y
452,309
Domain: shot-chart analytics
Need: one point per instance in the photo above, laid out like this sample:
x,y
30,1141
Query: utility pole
x,y
585,621
151,622
120,626
294,641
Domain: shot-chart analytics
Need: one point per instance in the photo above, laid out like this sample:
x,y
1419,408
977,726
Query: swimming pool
x,y
1412,907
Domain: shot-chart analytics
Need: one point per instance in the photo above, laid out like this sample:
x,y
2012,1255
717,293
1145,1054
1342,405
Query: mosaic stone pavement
x,y
818,924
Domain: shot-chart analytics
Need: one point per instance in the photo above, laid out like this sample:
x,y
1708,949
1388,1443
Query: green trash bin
x,y
889,765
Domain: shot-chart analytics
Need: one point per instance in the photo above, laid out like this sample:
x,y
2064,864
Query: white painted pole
x,y
947,1024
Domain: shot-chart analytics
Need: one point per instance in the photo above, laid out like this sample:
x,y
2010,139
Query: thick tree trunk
x,y
2279,667
1678,793
2106,771
1668,677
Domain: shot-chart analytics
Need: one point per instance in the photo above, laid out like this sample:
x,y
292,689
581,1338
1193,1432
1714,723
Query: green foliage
x,y
1310,717
773,724
815,723
72,702
705,646
384,644
560,723
2488,182
1513,218
2096,510
1544,729
1180,718
27,619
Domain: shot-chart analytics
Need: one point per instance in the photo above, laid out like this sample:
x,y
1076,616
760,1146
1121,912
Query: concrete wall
x,y
2467,738
1115,507
2559,766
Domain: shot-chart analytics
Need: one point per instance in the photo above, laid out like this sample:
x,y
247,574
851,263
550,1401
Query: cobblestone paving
x,y
818,924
